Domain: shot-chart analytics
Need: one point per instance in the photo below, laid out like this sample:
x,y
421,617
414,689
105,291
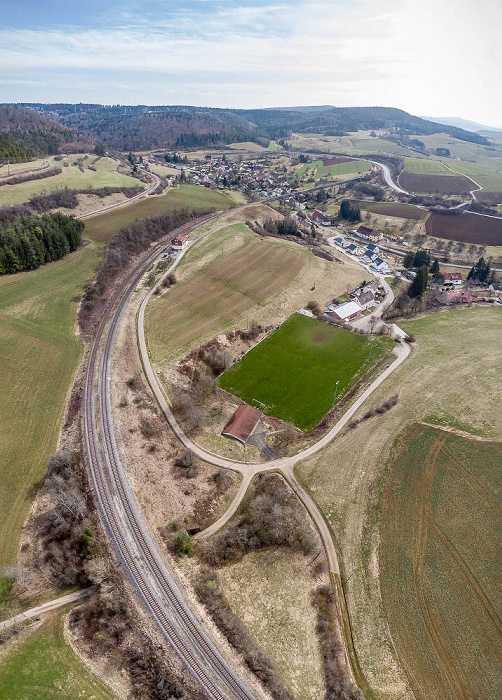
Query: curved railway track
x,y
128,532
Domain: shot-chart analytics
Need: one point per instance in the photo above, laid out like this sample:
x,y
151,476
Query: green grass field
x,y
43,666
103,226
70,177
40,353
421,166
294,370
440,569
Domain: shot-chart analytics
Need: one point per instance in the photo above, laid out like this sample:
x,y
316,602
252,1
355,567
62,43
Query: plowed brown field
x,y
435,184
439,559
467,228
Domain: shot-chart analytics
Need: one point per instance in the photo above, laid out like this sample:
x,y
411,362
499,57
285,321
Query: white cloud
x,y
433,57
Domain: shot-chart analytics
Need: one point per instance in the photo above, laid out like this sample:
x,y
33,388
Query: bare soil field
x,y
401,211
233,277
486,197
446,381
439,553
440,184
466,228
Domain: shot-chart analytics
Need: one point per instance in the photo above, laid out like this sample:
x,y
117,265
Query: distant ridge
x,y
463,123
143,127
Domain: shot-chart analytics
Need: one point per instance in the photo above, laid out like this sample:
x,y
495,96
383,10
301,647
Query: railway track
x,y
125,525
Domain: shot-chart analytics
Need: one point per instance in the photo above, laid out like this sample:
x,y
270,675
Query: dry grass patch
x,y
270,592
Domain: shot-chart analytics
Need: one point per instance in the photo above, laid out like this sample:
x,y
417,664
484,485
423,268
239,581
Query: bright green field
x,y
294,371
425,167
39,354
42,666
71,177
103,226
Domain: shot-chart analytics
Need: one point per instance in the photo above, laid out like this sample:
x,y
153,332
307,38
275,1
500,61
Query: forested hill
x,y
25,133
142,127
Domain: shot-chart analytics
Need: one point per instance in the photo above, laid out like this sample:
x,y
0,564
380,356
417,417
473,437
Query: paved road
x,y
46,607
387,176
141,195
248,470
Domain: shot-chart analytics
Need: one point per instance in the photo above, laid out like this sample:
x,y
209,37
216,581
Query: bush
x,y
273,517
183,544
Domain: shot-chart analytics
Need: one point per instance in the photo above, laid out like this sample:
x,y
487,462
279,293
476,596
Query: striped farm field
x,y
422,166
440,564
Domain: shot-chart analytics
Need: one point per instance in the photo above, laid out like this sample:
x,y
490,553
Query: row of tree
x,y
28,242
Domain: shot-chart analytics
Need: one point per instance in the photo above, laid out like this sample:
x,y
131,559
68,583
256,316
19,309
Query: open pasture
x,y
103,226
466,228
225,288
439,562
71,177
42,665
447,183
232,277
40,352
294,371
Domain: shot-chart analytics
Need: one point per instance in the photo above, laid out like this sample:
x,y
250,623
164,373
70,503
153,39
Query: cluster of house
x,y
370,255
314,217
362,298
368,234
245,176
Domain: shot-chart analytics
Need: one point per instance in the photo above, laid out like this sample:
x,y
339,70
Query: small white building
x,y
345,312
380,266
354,249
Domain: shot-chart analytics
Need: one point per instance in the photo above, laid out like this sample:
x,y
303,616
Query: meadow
x,y
452,378
321,171
103,226
40,352
232,277
440,531
42,665
71,177
293,372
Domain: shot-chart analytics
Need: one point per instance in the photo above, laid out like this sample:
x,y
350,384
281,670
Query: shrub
x,y
183,544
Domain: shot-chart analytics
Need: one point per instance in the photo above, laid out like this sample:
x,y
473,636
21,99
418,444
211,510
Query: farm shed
x,y
346,312
243,423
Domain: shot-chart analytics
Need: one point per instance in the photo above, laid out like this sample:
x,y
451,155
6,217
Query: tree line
x,y
28,242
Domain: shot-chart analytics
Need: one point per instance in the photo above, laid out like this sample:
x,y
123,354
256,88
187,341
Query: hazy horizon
x,y
432,58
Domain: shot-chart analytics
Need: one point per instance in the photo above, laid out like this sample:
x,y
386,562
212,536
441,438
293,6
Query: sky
x,y
434,57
